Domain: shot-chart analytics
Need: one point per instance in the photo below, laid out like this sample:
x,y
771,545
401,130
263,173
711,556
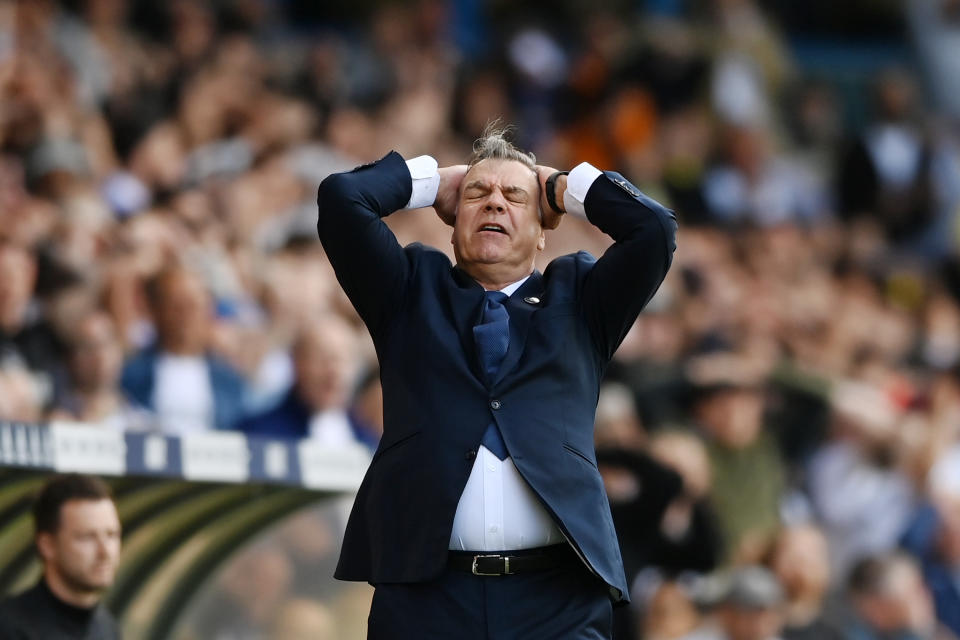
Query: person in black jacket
x,y
78,540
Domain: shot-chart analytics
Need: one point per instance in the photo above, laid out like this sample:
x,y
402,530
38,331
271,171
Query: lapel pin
x,y
532,300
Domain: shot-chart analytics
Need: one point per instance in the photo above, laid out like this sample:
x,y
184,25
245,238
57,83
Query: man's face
x,y
498,216
97,353
183,314
324,364
85,549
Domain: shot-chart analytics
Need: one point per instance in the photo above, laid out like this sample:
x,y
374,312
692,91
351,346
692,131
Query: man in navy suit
x,y
482,514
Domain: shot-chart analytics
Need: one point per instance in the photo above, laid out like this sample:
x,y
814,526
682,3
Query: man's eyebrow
x,y
514,189
476,184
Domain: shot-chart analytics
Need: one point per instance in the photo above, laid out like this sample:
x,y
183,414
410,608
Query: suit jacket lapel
x,y
520,311
466,302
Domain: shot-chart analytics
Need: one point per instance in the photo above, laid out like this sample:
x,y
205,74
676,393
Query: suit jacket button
x,y
471,454
495,404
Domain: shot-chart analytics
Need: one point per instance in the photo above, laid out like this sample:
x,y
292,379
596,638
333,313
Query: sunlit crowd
x,y
780,432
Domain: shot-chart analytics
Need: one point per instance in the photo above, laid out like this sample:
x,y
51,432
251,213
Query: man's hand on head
x,y
449,192
551,216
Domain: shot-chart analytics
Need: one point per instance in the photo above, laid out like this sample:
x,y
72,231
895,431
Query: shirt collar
x,y
511,288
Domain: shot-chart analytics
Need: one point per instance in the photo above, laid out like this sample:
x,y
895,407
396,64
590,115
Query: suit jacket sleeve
x,y
631,270
370,264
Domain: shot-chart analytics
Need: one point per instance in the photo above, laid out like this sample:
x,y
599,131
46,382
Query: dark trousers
x,y
565,603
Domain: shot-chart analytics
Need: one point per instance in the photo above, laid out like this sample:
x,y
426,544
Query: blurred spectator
x,y
933,537
855,475
188,388
667,610
750,607
886,172
657,496
689,536
26,340
748,476
325,357
800,561
251,591
935,26
94,395
890,601
752,183
77,534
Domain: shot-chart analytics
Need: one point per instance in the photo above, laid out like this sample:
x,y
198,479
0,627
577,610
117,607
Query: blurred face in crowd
x,y
17,276
801,563
182,314
97,355
325,361
670,613
497,231
901,603
81,557
744,623
733,417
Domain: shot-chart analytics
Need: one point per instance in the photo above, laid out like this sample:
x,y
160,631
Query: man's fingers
x,y
448,192
551,219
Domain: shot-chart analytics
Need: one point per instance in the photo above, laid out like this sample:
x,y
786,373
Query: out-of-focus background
x,y
789,400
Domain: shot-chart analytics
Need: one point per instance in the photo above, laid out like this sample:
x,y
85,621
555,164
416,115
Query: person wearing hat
x,y
748,606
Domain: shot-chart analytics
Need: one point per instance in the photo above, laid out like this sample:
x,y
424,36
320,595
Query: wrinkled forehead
x,y
503,173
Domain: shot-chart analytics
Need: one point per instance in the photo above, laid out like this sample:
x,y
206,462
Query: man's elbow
x,y
333,190
670,228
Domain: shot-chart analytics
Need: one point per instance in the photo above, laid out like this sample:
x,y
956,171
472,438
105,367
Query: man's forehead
x,y
504,172
82,511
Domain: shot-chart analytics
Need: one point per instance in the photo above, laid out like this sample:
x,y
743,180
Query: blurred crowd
x,y
780,432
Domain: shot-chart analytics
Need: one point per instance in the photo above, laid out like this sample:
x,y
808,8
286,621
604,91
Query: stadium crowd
x,y
780,432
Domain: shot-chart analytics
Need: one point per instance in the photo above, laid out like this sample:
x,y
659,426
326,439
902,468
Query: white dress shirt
x,y
332,428
498,510
183,394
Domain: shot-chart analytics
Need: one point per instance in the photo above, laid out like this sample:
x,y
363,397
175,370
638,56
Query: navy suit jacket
x,y
421,310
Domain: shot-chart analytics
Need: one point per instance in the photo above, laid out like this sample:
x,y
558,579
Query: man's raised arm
x,y
630,271
371,266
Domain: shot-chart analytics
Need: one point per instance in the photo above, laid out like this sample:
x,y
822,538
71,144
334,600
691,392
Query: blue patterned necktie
x,y
492,337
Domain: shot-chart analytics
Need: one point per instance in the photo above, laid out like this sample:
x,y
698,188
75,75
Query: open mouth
x,y
496,228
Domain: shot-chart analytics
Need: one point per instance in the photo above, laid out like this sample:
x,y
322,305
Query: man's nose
x,y
495,202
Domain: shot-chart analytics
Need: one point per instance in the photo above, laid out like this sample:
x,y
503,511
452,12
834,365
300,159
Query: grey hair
x,y
494,145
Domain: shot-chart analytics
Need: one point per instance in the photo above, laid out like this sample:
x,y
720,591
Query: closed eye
x,y
516,194
475,190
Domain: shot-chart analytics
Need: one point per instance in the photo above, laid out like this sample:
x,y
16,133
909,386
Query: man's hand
x,y
551,217
449,192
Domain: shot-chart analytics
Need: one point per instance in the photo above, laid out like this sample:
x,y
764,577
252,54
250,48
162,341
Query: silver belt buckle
x,y
506,565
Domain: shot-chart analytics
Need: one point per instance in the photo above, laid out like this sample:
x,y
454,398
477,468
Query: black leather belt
x,y
504,563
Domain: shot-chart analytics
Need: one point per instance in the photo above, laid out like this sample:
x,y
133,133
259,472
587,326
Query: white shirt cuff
x,y
426,182
579,181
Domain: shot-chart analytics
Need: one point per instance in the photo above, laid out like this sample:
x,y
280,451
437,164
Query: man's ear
x,y
45,545
541,241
